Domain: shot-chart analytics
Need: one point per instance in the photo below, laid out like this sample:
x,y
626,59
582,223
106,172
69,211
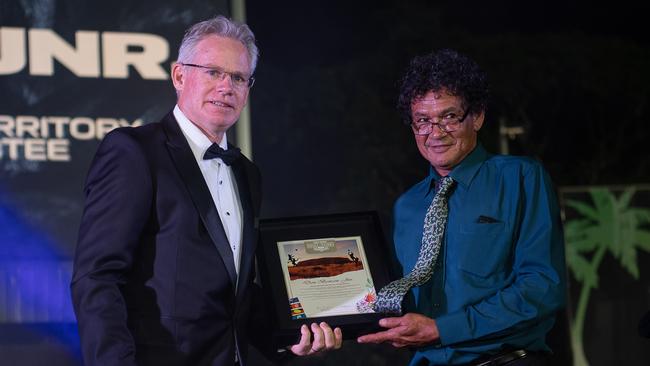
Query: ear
x,y
178,78
477,122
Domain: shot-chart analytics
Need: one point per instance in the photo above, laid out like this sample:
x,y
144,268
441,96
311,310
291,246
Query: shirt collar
x,y
199,142
464,172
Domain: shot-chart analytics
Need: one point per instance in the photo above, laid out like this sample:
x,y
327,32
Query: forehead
x,y
436,101
223,52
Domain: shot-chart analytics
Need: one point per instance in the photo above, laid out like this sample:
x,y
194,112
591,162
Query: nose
x,y
437,132
224,83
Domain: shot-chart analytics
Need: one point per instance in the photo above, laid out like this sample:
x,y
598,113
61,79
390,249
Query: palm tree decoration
x,y
610,225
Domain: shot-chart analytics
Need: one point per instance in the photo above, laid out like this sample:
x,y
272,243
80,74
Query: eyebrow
x,y
222,69
443,112
208,66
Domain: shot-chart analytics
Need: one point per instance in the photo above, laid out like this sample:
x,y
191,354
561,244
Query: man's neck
x,y
212,136
199,133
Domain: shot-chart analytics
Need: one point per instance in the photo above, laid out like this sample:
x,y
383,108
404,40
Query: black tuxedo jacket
x,y
154,277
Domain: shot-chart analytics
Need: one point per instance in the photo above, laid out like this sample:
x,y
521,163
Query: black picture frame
x,y
286,331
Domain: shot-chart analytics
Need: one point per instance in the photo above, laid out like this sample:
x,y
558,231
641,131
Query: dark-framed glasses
x,y
215,73
448,122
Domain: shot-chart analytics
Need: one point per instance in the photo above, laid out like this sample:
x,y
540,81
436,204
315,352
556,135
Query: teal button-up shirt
x,y
499,279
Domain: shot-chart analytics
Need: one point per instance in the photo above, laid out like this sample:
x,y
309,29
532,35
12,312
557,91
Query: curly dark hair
x,y
445,69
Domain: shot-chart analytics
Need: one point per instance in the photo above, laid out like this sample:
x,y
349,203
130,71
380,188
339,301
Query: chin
x,y
220,120
438,161
440,164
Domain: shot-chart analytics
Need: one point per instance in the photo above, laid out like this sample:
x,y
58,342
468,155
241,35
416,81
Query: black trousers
x,y
531,359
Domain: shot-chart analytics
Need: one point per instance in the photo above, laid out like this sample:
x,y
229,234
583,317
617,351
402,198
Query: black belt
x,y
501,359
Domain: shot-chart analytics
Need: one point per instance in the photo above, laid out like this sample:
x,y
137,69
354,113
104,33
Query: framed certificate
x,y
322,268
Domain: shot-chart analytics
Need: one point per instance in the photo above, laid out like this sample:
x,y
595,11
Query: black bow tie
x,y
228,156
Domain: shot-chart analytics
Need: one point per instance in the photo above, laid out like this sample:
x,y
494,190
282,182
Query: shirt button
x,y
436,305
227,213
220,182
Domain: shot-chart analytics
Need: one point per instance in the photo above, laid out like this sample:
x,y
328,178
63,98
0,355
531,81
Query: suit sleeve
x,y
538,289
118,202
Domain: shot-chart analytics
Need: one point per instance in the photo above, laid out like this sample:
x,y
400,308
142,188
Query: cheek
x,y
241,100
420,142
239,104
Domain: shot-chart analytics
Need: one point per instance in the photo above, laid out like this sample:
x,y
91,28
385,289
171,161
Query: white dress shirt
x,y
220,180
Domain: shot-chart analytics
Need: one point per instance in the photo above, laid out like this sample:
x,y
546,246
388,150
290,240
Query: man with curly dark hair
x,y
487,270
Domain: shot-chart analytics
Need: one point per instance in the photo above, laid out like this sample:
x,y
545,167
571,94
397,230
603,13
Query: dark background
x,y
328,138
574,75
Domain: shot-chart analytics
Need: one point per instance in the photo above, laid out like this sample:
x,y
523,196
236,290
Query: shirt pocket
x,y
483,249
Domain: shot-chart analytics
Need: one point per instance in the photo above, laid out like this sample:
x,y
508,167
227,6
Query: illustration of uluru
x,y
323,267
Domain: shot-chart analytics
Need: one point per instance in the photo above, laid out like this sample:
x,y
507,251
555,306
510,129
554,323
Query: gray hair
x,y
219,26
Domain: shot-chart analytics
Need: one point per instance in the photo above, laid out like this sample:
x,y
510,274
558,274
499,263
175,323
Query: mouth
x,y
439,148
220,104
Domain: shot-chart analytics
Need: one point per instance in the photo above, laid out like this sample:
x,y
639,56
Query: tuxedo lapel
x,y
248,232
190,173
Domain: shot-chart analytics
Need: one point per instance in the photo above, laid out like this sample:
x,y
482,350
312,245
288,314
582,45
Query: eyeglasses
x,y
215,73
448,122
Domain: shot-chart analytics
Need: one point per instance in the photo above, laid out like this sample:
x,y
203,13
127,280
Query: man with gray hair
x,y
164,266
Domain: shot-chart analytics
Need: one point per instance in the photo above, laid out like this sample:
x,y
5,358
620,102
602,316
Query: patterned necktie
x,y
389,299
228,156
